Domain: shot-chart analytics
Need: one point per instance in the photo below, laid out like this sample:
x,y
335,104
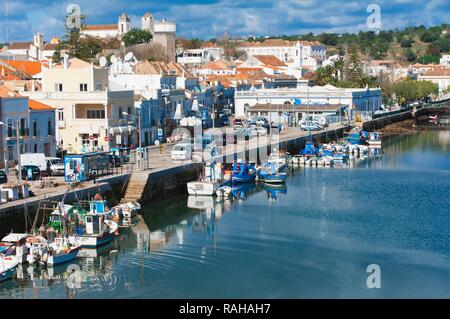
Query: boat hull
x,y
64,258
202,188
243,179
274,179
91,241
7,274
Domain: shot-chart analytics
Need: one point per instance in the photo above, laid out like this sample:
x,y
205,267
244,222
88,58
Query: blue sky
x,y
19,19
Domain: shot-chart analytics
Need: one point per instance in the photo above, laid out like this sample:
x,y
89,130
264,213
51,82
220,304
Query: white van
x,y
56,165
37,159
182,152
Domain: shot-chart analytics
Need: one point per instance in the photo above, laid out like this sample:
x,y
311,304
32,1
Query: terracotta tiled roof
x,y
28,67
442,71
270,60
167,69
50,46
279,43
219,65
20,45
100,27
7,93
209,45
38,106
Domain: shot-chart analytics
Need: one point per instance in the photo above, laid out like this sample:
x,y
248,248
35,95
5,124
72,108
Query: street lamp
x,y
19,166
139,130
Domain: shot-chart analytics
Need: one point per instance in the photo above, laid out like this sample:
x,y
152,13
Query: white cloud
x,y
237,17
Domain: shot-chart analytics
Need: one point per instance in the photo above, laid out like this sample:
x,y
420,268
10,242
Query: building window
x,y
23,131
120,113
11,152
60,115
35,148
83,87
95,114
58,87
47,149
35,128
10,128
98,86
49,127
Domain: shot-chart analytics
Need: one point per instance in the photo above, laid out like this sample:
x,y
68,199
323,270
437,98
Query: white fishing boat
x,y
15,244
208,183
37,247
224,192
375,138
97,231
59,251
8,265
127,210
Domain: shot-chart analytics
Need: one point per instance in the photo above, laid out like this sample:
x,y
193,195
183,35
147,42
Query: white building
x,y
358,100
89,115
297,53
440,76
445,60
163,31
208,53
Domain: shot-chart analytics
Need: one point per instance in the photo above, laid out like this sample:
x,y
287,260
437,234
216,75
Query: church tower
x,y
124,24
148,23
39,40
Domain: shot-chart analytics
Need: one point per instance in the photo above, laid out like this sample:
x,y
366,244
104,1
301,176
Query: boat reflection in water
x,y
274,191
90,267
242,191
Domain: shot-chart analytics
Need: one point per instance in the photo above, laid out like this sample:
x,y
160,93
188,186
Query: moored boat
x,y
243,172
272,173
208,183
8,265
96,231
375,139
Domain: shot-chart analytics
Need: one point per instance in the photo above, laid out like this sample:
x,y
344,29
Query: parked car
x,y
3,177
56,166
31,172
224,121
310,126
182,152
261,131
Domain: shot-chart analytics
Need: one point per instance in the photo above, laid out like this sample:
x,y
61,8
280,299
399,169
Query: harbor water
x,y
312,238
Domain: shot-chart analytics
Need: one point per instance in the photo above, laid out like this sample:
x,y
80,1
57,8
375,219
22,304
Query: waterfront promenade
x,y
162,170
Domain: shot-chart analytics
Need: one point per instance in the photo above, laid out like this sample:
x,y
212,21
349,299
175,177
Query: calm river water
x,y
312,238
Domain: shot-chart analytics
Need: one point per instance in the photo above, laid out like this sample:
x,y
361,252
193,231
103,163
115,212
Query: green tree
x,y
410,55
429,59
137,36
406,43
407,91
325,75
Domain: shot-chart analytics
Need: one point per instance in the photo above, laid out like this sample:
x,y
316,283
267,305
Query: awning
x,y
122,129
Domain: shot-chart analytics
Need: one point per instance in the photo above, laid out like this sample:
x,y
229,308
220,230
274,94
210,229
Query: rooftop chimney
x,y
66,61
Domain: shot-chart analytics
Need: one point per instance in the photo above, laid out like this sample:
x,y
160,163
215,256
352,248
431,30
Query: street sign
x,y
160,133
157,142
106,138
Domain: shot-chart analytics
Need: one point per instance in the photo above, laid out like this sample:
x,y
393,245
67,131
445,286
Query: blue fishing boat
x,y
63,256
357,137
272,173
309,150
243,172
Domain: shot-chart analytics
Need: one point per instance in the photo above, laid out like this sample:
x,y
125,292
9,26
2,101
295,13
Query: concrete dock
x,y
165,177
